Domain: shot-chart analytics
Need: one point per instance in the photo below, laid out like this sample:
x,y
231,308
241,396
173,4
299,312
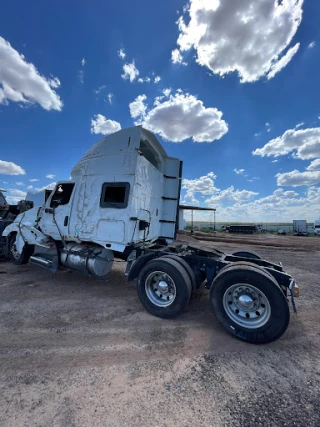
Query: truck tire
x,y
245,253
250,304
251,264
244,263
186,266
15,257
164,287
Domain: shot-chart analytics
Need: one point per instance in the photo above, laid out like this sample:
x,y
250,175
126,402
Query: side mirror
x,y
55,203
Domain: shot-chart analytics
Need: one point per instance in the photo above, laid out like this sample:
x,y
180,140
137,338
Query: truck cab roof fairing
x,y
126,140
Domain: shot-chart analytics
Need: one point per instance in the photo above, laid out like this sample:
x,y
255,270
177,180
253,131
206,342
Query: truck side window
x,y
115,195
62,194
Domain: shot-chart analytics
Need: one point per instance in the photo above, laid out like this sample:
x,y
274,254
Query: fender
x,y
11,229
139,264
24,226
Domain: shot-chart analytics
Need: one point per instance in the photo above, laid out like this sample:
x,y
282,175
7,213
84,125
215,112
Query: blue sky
x,y
229,87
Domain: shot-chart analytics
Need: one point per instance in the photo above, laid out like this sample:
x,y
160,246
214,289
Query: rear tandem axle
x,y
247,294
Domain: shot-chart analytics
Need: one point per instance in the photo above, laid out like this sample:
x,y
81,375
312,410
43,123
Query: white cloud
x,y
177,58
182,116
130,72
121,54
204,184
30,187
13,200
18,193
299,125
100,124
190,199
21,81
311,45
50,186
20,183
283,62
280,206
157,79
279,196
100,89
34,180
138,107
268,127
50,176
144,80
230,195
81,72
305,143
314,165
275,161
81,76
166,92
54,82
296,178
9,168
238,171
247,37
245,206
110,97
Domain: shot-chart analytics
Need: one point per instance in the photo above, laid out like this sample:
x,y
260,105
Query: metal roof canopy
x,y
196,208
199,208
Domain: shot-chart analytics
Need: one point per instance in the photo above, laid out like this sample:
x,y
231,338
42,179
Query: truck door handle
x,y
66,219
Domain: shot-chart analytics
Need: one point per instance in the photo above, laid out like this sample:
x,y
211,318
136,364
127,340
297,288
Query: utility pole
x,y
192,221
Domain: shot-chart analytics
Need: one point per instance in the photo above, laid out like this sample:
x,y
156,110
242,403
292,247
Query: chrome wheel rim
x,y
246,305
160,289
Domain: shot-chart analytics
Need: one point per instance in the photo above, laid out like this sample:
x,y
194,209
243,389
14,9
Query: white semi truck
x,y
122,201
317,227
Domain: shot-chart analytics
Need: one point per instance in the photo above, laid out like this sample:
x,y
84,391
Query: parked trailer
x,y
122,201
300,227
241,228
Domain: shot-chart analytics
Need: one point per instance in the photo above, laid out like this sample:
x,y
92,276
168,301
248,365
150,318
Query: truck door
x,y
56,211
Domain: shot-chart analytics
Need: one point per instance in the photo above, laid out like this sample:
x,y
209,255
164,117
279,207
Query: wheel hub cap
x,y
246,302
163,286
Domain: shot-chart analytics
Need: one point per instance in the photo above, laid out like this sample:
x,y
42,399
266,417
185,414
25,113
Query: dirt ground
x,y
76,351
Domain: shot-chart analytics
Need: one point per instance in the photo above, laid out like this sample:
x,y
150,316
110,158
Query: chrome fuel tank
x,y
90,259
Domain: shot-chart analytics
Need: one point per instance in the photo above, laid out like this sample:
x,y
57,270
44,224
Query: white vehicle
x,y
39,198
317,227
122,193
122,201
300,227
